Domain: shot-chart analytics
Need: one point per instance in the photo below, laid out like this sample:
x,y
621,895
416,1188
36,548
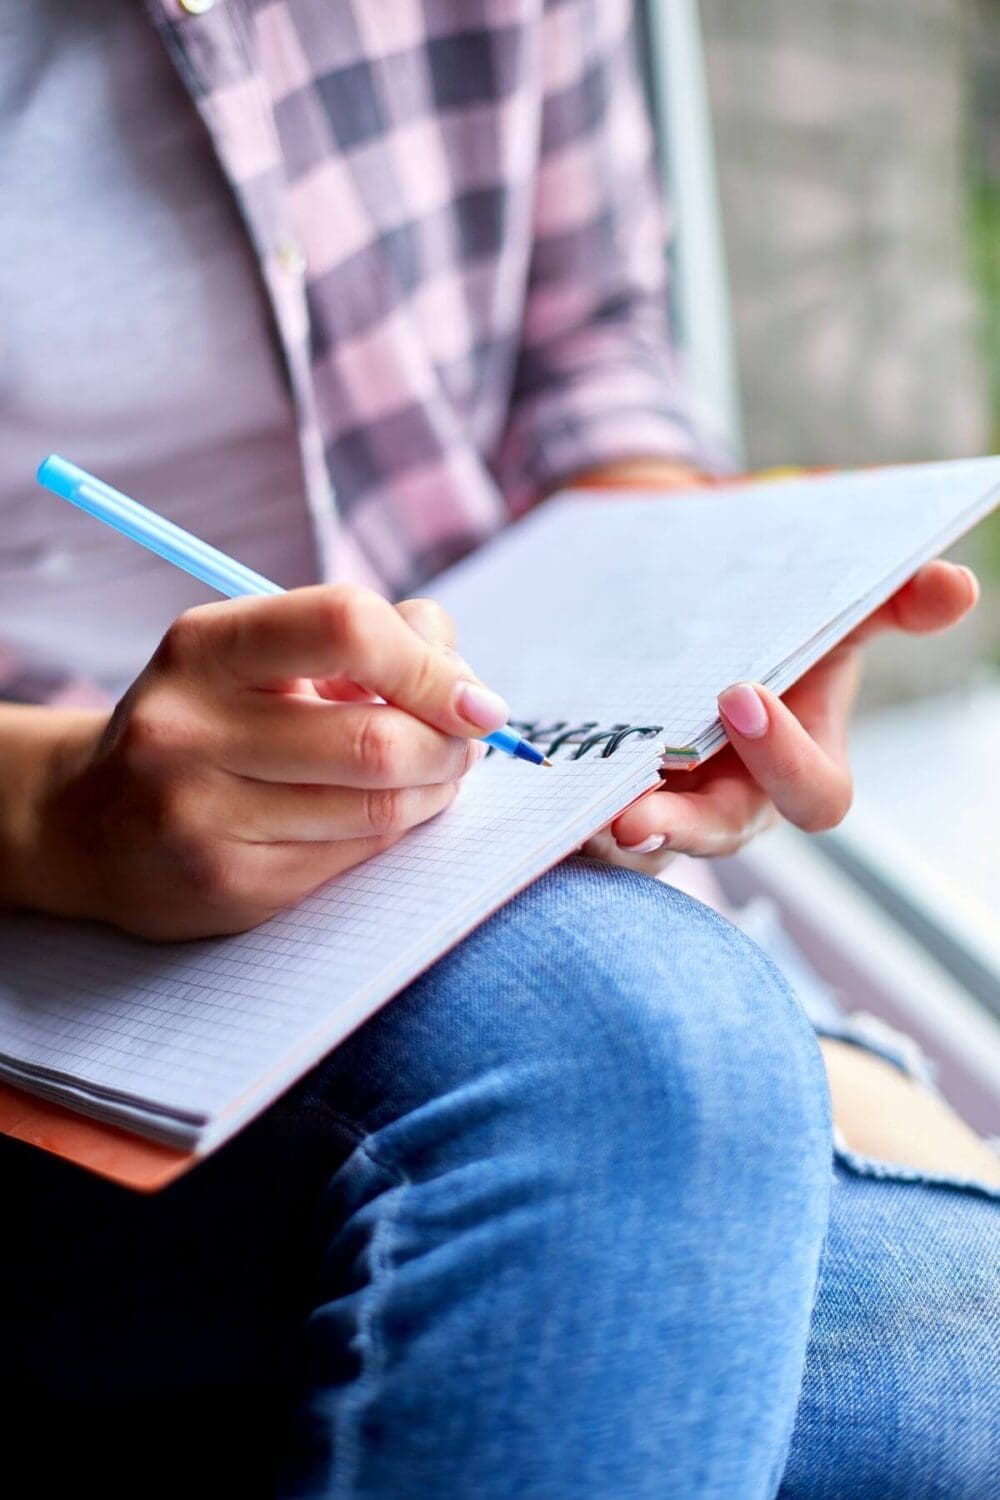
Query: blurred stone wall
x,y
986,168
842,139
986,107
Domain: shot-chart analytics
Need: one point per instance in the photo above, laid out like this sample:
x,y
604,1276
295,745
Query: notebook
x,y
610,622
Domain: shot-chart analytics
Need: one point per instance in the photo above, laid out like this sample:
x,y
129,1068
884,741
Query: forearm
x,y
35,746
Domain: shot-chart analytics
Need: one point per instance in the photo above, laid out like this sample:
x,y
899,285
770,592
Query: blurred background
x,y
834,167
858,148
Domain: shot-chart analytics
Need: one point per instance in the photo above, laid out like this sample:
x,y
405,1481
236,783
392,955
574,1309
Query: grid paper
x,y
643,610
215,1028
611,611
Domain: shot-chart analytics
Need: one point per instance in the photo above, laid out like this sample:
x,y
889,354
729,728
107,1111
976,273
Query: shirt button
x,y
197,7
291,258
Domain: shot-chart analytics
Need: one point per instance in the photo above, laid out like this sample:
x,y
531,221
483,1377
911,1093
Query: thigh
x,y
606,1070
884,1113
600,1188
899,1398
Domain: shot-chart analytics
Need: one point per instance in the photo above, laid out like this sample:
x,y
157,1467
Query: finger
x,y
331,631
342,690
433,625
320,814
280,738
937,596
285,873
821,700
717,819
808,785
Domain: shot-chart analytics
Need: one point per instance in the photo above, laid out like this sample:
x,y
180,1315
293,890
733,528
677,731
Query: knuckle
x,y
444,797
384,812
211,871
787,768
346,613
149,736
182,642
426,675
468,753
378,748
158,731
179,814
448,627
430,620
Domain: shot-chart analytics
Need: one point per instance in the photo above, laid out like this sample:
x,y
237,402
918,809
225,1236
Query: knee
x,y
653,1017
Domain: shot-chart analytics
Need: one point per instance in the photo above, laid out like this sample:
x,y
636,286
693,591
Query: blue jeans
x,y
902,1380
548,1227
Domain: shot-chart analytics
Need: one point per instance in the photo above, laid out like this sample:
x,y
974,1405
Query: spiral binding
x,y
563,734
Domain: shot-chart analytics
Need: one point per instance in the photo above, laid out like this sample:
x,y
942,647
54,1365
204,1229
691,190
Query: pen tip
x,y
546,762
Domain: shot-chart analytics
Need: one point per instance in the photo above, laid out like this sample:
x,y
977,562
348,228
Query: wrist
x,y
640,473
43,752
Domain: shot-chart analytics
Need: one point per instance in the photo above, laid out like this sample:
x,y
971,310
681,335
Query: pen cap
x,y
60,476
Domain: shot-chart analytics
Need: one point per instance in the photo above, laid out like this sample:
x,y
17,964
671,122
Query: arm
x,y
598,380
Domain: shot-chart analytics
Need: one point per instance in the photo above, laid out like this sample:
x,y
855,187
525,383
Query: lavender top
x,y
453,216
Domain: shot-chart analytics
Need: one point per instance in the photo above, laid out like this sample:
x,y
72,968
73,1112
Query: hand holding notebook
x,y
787,757
641,611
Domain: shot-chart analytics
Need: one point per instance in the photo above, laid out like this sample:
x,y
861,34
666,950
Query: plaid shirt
x,y
453,207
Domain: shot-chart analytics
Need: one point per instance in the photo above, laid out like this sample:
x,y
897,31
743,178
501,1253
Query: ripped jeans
x,y
900,1393
547,1227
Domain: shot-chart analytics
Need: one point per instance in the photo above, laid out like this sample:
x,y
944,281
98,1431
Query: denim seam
x,y
370,1346
362,1138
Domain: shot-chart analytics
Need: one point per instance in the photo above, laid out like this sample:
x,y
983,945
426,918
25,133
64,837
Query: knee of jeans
x,y
641,1012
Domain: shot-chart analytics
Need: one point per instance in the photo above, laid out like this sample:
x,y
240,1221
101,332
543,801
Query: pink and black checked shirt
x,y
454,212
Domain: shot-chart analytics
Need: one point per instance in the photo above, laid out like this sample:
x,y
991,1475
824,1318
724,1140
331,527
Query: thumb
x,y
433,625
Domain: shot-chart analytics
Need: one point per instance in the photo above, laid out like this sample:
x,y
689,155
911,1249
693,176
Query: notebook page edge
x,y
788,671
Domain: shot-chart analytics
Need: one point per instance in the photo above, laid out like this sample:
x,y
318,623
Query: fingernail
x,y
481,707
655,841
743,708
479,750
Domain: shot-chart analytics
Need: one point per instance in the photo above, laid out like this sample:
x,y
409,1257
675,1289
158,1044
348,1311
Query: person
x,y
344,289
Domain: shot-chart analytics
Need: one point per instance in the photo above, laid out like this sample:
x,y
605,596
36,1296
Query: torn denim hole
x,y
870,1166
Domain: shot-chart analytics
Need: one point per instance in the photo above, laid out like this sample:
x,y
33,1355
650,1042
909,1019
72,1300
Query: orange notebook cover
x,y
105,1149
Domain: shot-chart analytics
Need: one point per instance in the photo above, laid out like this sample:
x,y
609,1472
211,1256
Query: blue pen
x,y
198,558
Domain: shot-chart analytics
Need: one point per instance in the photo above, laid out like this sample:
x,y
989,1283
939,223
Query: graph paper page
x,y
603,611
191,1029
641,610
